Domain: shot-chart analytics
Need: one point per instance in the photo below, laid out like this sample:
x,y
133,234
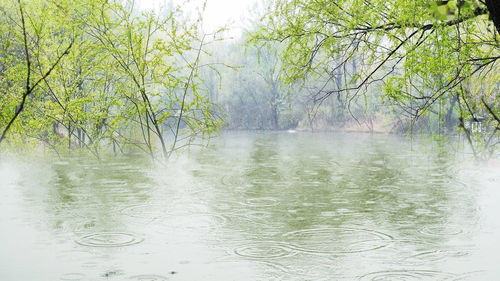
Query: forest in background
x,y
102,77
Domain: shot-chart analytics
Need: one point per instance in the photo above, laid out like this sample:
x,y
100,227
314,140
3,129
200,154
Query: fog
x,y
249,140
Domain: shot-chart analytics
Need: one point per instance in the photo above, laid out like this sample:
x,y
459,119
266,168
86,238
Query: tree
x,y
416,51
43,45
130,81
153,53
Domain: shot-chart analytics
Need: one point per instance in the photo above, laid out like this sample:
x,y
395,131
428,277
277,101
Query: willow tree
x,y
157,58
96,74
417,52
77,102
35,39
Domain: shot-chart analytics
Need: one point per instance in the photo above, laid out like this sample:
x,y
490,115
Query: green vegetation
x,y
98,75
422,58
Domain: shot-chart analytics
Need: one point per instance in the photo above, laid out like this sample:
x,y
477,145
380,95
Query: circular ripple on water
x,y
109,239
403,275
143,211
433,255
374,169
371,195
364,246
109,183
337,240
257,215
388,188
306,173
232,180
199,221
441,230
264,250
263,181
269,267
149,277
72,277
261,202
474,276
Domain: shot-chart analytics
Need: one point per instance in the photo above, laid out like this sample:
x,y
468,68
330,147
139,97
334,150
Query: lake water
x,y
255,206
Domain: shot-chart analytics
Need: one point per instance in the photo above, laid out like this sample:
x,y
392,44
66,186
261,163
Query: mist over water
x,y
255,206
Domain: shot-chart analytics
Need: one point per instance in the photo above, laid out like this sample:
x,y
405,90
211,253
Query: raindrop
x,y
72,277
374,169
146,211
267,182
228,180
328,214
148,277
261,202
112,273
403,275
109,239
264,250
363,246
257,215
474,276
199,221
337,240
434,255
441,230
112,183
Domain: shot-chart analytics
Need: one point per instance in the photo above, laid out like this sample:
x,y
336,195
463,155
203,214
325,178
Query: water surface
x,y
255,206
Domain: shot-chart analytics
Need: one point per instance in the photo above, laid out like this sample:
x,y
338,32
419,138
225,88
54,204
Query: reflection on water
x,y
255,206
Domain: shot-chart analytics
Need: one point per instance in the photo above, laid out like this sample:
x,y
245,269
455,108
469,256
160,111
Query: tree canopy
x,y
416,53
97,74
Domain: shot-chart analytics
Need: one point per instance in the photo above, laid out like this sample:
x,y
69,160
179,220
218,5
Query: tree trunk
x,y
69,136
275,117
449,123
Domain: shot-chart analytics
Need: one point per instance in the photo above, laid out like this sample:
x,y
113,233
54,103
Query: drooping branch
x,y
392,26
490,110
29,89
186,88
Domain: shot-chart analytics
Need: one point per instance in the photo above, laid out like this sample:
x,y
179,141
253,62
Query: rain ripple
x,y
442,230
474,276
72,277
405,275
337,240
433,255
148,277
109,239
264,250
261,202
198,221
